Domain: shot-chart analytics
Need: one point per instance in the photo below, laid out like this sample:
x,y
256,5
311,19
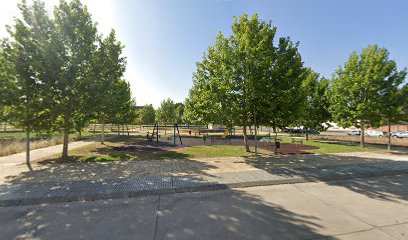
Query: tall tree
x,y
394,107
7,81
166,113
362,87
28,55
108,68
65,73
315,107
122,106
179,112
147,115
77,35
245,78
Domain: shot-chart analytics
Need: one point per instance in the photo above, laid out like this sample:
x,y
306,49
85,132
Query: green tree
x,y
7,81
108,68
147,115
65,74
76,36
363,87
166,113
394,110
122,105
315,108
245,77
28,58
179,112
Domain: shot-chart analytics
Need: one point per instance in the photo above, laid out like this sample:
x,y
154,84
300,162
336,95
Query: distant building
x,y
394,128
335,127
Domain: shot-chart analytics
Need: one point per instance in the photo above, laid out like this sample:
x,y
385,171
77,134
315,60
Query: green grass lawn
x,y
214,151
101,153
97,152
332,147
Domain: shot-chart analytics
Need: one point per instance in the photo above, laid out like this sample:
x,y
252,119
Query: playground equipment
x,y
297,141
277,142
155,134
178,133
223,137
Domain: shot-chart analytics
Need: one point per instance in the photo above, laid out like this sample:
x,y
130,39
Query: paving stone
x,y
188,181
32,193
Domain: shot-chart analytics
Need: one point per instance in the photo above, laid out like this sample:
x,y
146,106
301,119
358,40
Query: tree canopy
x,y
147,115
362,91
246,75
60,72
315,107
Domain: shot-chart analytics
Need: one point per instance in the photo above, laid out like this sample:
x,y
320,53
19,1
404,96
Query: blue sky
x,y
164,39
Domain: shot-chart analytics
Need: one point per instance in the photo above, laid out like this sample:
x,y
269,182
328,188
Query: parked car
x,y
299,130
401,134
354,133
374,133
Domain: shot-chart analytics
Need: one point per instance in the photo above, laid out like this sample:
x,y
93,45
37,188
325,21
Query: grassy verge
x,y
14,142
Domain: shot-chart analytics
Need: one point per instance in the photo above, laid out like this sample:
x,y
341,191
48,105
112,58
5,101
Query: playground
x,y
165,138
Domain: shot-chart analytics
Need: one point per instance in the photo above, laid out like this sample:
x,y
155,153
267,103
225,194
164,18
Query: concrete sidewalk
x,y
363,208
109,188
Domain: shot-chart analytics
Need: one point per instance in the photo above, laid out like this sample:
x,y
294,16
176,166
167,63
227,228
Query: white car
x,y
374,133
401,134
354,133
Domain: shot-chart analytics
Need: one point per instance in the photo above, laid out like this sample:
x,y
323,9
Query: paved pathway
x,y
38,154
365,208
15,164
35,192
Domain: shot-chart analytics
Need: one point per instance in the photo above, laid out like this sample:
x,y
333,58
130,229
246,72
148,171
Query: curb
x,y
199,188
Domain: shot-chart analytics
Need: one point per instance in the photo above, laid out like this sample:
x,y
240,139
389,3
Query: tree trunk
x,y
389,136
246,138
118,130
362,144
256,133
94,129
127,129
307,134
103,132
65,144
28,150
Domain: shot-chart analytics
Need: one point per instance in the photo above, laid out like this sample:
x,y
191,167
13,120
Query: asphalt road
x,y
367,208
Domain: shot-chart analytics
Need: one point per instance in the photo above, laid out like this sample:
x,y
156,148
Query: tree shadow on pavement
x,y
51,172
227,214
231,214
359,170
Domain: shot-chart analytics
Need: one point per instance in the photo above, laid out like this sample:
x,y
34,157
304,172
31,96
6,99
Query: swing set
x,y
155,134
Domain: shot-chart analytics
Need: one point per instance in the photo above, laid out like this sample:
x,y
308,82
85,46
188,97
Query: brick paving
x,y
90,181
